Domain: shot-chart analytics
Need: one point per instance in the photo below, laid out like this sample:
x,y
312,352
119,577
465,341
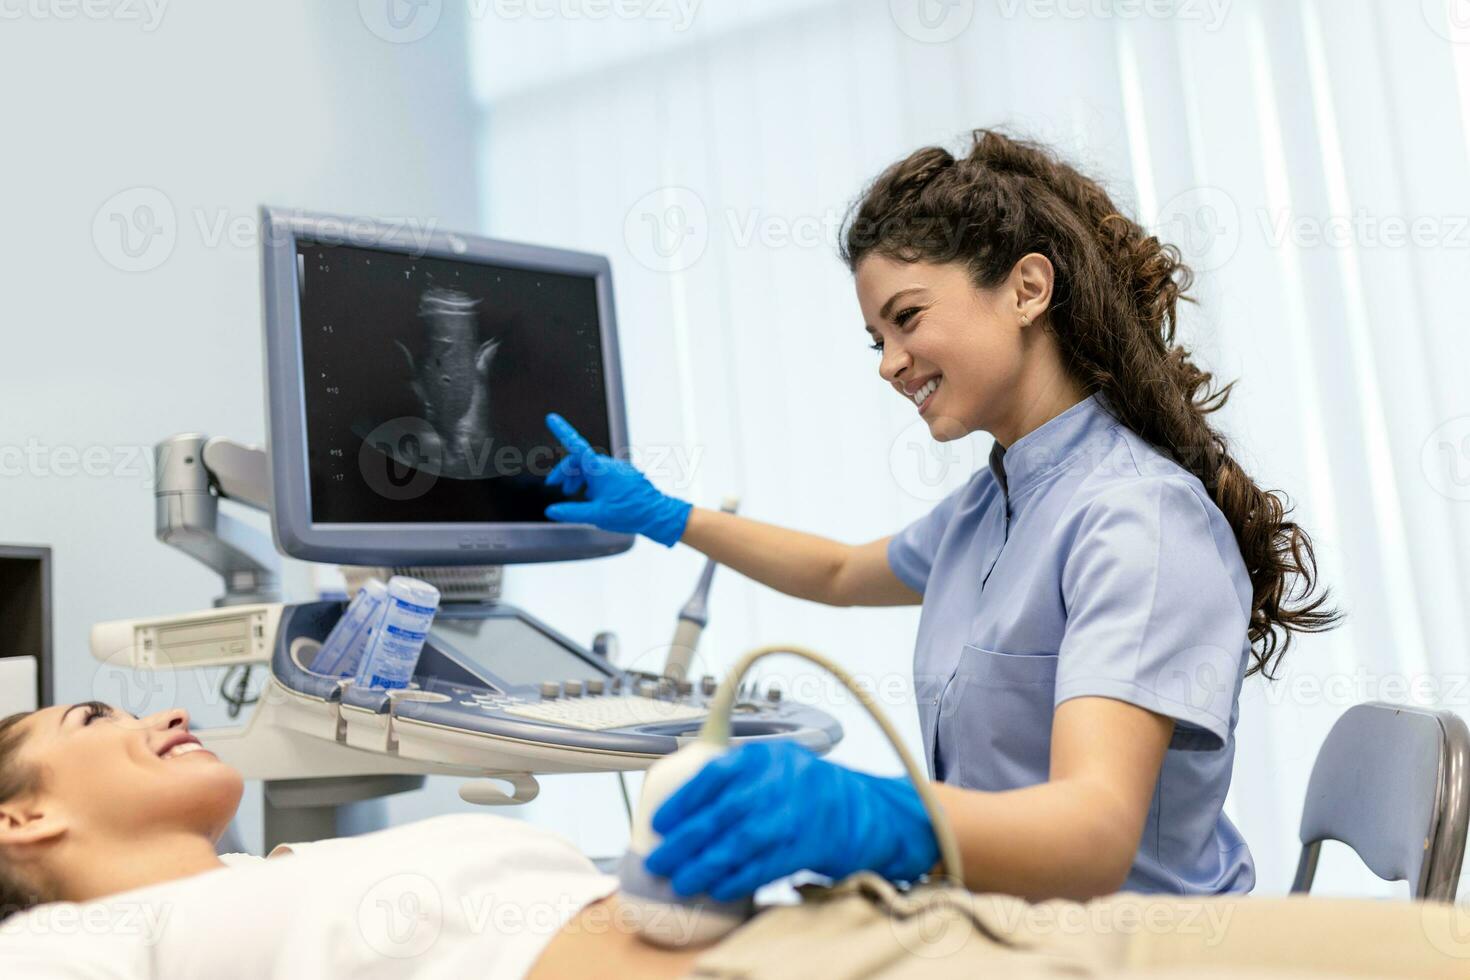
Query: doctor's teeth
x,y
925,391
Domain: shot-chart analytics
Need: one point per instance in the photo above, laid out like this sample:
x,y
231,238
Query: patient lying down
x,y
108,826
123,814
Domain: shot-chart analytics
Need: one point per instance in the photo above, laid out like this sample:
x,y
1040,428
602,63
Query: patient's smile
x,y
181,744
184,748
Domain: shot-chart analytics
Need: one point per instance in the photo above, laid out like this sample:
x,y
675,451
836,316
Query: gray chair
x,y
1393,783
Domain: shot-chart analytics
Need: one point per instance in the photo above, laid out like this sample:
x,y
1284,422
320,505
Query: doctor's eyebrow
x,y
887,309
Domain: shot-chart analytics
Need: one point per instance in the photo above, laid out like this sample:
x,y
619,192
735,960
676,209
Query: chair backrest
x,y
1393,783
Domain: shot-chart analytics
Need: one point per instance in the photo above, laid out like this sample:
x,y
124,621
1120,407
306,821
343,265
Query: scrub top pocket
x,y
995,719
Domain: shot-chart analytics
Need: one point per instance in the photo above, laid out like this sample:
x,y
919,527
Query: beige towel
x,y
865,928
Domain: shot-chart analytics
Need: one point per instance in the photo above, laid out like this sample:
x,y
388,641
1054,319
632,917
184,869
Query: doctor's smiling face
x,y
90,773
968,358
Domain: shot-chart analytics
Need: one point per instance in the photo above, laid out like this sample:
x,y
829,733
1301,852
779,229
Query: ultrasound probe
x,y
694,616
665,918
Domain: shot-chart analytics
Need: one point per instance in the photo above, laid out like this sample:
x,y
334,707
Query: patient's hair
x,y
1113,316
16,779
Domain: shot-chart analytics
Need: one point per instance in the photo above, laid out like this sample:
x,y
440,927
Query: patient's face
x,y
111,773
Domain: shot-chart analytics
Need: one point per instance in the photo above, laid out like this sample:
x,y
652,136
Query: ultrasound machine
x,y
407,383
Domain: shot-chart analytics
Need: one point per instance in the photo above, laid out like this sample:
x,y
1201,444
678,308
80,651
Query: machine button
x,y
647,688
685,688
773,695
594,686
573,688
550,690
707,685
605,645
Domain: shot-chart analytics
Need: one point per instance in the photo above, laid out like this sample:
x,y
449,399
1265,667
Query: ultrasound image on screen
x,y
427,383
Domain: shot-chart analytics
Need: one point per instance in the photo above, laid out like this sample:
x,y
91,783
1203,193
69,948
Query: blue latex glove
x,y
770,809
620,498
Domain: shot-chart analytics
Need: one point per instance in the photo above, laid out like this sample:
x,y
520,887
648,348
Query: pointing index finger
x,y
569,437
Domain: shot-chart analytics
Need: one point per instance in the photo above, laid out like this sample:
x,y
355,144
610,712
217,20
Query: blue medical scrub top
x,y
1082,562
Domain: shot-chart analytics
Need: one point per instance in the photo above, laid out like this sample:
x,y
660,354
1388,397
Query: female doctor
x,y
1092,599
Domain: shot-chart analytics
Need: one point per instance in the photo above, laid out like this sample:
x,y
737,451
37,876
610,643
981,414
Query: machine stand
x,y
306,809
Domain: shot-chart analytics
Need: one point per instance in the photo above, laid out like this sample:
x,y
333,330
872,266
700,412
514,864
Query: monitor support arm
x,y
194,474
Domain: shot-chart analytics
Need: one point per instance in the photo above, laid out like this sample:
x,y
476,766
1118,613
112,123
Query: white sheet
x,y
451,897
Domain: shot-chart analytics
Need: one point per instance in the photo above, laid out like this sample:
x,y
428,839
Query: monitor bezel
x,y
503,543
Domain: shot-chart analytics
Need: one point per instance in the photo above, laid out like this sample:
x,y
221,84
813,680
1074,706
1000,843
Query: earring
x,y
1025,320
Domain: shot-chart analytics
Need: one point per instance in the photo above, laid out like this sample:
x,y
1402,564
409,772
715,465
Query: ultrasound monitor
x,y
409,373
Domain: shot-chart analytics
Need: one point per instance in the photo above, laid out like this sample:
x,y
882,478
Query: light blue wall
x,y
218,108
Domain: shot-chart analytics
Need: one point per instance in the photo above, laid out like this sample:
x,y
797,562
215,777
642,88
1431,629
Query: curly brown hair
x,y
1113,314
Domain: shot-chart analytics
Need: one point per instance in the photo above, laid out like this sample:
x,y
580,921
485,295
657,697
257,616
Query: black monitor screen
x,y
427,383
515,651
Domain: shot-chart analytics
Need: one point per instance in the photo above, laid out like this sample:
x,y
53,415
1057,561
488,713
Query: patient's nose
x,y
171,718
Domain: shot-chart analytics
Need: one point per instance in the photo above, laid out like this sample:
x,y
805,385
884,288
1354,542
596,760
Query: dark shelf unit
x,y
25,611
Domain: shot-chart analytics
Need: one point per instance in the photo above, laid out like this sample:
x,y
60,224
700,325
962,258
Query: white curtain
x,y
1309,157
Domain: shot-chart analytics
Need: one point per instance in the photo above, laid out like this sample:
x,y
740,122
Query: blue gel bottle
x,y
342,651
393,651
